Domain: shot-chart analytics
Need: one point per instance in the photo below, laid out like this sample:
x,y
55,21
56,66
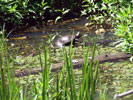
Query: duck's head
x,y
54,36
78,35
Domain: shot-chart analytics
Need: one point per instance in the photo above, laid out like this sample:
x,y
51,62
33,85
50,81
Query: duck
x,y
67,39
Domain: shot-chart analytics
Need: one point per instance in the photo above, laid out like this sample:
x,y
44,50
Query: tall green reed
x,y
63,85
9,90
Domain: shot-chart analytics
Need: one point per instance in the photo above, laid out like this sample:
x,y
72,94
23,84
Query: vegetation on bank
x,y
17,13
31,12
119,13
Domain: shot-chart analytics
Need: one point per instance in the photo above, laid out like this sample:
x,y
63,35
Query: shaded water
x,y
32,37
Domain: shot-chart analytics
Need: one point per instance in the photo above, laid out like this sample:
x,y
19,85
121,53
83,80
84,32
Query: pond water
x,y
28,41
32,37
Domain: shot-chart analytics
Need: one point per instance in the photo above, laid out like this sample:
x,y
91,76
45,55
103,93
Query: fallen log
x,y
78,64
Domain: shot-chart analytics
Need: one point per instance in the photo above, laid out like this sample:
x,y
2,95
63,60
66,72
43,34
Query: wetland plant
x,y
9,90
64,85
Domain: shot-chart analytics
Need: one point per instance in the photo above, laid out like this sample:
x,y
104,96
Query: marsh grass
x,y
61,86
8,87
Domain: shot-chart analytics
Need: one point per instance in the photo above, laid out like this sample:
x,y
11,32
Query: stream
x,y
32,37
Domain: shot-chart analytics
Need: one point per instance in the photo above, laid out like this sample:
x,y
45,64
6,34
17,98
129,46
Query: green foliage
x,y
103,9
124,28
16,13
63,12
118,12
9,90
55,87
63,84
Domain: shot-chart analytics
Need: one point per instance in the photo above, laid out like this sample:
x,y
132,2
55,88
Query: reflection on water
x,y
34,36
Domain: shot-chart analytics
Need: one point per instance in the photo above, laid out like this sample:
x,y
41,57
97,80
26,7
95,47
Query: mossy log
x,y
78,64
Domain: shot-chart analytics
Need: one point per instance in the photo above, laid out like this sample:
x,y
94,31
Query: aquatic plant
x,y
63,87
63,84
9,90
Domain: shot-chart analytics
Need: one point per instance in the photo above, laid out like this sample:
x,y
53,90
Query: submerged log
x,y
77,63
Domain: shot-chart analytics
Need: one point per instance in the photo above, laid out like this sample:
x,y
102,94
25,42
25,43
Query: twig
x,y
123,94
